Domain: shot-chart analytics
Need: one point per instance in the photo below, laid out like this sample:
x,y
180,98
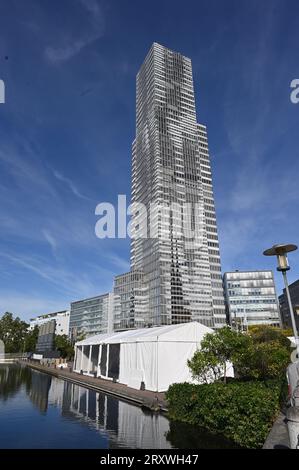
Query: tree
x,y
31,339
267,355
13,332
216,350
205,367
263,360
64,346
267,333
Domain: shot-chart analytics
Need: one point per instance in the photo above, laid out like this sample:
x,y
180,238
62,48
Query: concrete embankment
x,y
151,400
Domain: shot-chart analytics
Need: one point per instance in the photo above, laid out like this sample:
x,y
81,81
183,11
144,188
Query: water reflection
x,y
124,424
86,418
12,378
39,390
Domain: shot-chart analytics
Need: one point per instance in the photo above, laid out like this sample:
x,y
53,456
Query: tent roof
x,y
184,332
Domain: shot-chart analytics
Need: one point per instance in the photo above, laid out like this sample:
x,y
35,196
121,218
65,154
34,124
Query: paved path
x,y
278,437
153,400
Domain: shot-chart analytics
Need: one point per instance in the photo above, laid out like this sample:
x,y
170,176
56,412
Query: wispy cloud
x,y
120,263
24,166
93,7
73,45
65,280
51,240
69,184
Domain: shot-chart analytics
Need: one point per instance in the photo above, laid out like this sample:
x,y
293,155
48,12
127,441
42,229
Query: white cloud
x,y
121,263
71,46
70,185
66,281
51,240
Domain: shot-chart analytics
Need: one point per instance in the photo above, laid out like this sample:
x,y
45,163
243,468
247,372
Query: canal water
x,y
40,411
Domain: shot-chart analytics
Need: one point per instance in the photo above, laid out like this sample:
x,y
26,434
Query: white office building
x,y
62,321
251,298
175,244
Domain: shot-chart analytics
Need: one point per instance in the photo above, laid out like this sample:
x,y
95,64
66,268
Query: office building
x,y
130,301
92,316
251,298
62,321
284,306
175,243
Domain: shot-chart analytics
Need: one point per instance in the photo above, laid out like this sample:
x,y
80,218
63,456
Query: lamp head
x,y
281,252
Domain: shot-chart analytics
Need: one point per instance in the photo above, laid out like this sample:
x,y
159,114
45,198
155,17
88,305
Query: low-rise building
x,y
92,316
46,337
284,306
62,321
251,298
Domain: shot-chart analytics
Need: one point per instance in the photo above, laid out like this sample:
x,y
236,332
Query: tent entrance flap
x,y
103,360
113,367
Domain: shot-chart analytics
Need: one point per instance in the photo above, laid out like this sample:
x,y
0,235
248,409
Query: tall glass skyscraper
x,y
175,242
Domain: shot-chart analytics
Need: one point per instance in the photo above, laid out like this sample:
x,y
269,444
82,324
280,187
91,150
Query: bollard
x,y
293,426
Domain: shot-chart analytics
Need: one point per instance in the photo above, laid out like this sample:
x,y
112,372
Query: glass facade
x,y
92,316
284,305
130,301
251,298
171,168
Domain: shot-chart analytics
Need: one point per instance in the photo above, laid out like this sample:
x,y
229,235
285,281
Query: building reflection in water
x,y
123,424
12,378
39,391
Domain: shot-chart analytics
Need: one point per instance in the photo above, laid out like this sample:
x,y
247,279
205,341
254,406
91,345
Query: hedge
x,y
241,411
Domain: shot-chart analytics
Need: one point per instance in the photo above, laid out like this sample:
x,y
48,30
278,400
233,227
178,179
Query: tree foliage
x,y
13,332
205,367
31,339
263,361
269,334
262,354
64,346
216,350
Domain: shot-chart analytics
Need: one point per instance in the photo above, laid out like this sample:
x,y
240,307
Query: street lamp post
x,y
280,251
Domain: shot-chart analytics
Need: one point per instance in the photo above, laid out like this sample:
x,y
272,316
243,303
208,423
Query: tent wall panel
x,y
147,362
78,358
172,365
128,372
94,358
103,363
85,351
113,361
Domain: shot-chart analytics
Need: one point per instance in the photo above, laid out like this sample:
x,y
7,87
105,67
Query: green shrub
x,y
263,360
241,411
270,334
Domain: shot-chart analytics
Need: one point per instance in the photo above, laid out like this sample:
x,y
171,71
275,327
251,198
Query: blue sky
x,y
68,123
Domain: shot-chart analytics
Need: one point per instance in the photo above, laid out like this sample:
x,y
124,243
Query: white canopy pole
x,y
82,354
75,360
89,359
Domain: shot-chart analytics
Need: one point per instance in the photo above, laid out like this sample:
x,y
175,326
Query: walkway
x,y
278,437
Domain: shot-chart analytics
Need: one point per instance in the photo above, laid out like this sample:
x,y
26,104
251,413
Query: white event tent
x,y
155,357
